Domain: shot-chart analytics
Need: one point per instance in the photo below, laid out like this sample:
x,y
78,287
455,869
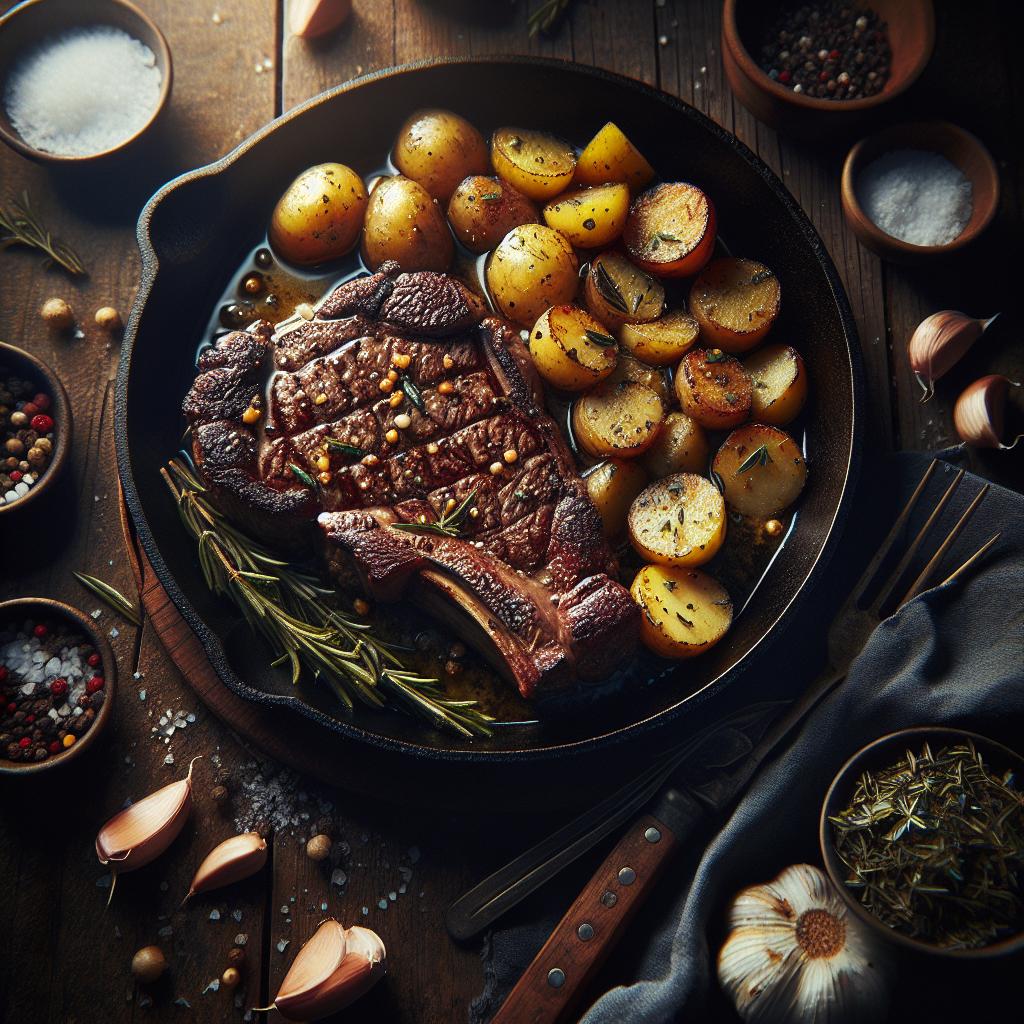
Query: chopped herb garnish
x,y
609,290
758,457
302,475
448,525
604,340
347,449
413,393
489,197
684,621
761,276
714,355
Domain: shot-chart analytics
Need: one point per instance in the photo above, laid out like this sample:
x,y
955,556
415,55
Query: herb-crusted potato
x,y
671,230
680,447
405,224
762,470
685,611
438,149
780,384
483,210
713,388
678,521
537,164
590,217
619,419
532,269
610,156
612,486
663,341
320,215
735,302
570,349
617,292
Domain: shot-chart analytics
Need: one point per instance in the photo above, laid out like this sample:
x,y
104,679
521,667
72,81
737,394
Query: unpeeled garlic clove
x,y
312,18
231,861
980,411
939,342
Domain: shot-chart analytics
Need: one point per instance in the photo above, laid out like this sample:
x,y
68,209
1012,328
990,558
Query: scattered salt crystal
x,y
284,909
383,904
114,633
96,613
236,914
403,888
214,986
282,945
323,908
214,915
366,910
338,877
241,939
182,1001
169,759
142,694
28,688
145,1000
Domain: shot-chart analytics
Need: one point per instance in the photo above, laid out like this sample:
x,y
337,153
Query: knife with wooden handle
x,y
579,945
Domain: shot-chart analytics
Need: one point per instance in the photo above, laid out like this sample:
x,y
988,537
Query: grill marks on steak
x,y
529,581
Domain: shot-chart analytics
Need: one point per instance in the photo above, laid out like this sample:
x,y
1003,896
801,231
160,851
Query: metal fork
x,y
850,629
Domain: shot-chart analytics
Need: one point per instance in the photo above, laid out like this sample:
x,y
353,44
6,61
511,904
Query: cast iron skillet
x,y
196,230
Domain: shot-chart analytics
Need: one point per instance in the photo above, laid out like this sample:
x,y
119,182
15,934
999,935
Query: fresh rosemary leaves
x,y
20,226
449,525
546,15
111,596
758,457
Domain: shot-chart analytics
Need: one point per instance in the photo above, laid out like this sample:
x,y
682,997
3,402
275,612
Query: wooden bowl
x,y
30,22
27,365
911,30
879,754
959,147
45,607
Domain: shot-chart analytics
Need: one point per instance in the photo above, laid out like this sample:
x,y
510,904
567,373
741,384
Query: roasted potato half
x,y
405,224
570,349
713,388
680,447
621,419
483,210
663,341
671,229
780,384
617,292
590,217
537,164
685,611
762,470
735,302
628,368
320,215
678,521
439,149
532,269
612,486
610,156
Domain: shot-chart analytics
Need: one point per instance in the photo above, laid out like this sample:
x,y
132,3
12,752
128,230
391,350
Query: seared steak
x,y
528,578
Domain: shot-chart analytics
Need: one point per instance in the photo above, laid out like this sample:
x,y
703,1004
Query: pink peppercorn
x,y
94,660
94,684
3,673
42,423
11,708
40,631
54,747
24,742
59,687
41,401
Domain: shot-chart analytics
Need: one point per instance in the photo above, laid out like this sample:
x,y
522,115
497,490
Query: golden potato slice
x,y
762,470
405,224
622,419
735,302
483,210
680,447
590,217
663,341
780,384
685,611
617,292
532,269
320,215
713,388
628,368
671,230
571,349
610,156
678,521
538,164
438,149
612,486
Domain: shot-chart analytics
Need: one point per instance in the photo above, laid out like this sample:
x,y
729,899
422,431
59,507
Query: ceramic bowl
x,y
911,29
26,365
877,755
959,147
43,608
30,22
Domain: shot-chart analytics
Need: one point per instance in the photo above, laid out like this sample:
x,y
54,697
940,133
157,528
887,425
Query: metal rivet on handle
x,y
556,977
627,876
652,835
609,899
585,931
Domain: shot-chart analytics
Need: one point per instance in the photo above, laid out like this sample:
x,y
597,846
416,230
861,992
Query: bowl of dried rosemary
x,y
922,832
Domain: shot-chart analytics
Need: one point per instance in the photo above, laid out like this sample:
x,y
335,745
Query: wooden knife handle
x,y
583,938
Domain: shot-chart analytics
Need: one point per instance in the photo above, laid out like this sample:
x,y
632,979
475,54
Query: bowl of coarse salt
x,y
916,191
79,81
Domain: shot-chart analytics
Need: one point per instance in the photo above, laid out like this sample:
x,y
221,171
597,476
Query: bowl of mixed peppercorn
x,y
35,428
57,677
822,66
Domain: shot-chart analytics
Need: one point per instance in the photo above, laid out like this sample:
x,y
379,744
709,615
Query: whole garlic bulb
x,y
795,955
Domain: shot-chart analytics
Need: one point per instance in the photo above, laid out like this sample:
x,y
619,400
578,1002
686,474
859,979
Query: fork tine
x,y
920,583
956,574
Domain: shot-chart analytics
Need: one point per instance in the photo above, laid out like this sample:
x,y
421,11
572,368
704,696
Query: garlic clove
x,y
312,18
939,342
313,966
980,410
231,861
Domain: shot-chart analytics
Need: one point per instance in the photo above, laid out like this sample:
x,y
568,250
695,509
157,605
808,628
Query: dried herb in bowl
x,y
934,846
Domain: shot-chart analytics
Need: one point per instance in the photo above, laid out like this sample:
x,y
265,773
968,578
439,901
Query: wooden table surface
x,y
67,960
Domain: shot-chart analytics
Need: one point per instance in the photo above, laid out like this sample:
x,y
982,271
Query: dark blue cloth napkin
x,y
953,655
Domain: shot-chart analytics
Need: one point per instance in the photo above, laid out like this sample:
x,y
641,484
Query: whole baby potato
x,y
532,269
320,215
405,224
438,149
483,210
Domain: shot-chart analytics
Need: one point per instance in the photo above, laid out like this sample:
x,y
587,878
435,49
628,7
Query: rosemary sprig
x,y
604,340
110,596
449,525
413,393
299,617
490,197
543,19
758,457
20,226
609,289
302,475
346,449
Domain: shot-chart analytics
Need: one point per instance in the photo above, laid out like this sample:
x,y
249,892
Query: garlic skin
x,y
312,18
796,955
231,861
939,342
979,413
